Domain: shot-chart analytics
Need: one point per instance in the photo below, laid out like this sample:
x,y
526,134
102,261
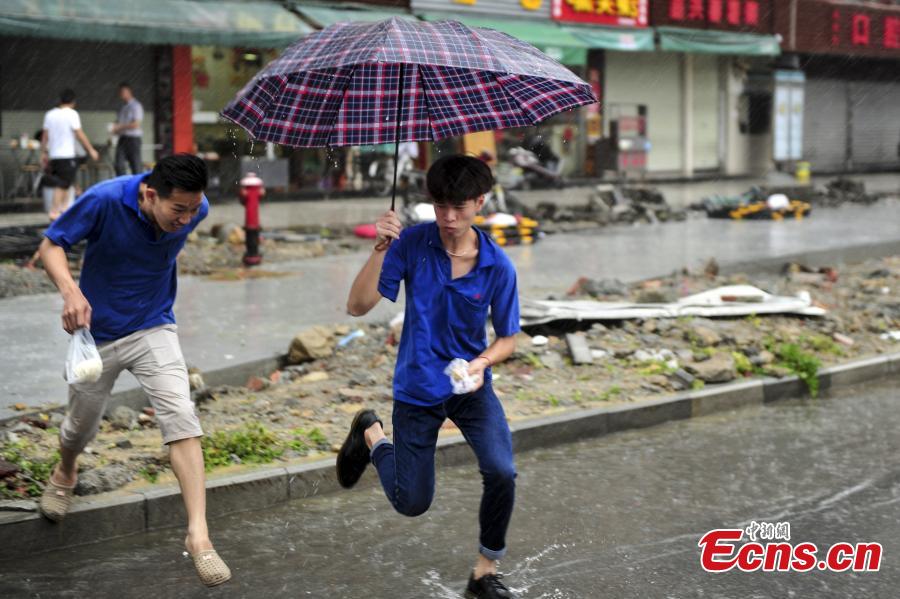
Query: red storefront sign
x,y
826,27
626,13
862,29
748,15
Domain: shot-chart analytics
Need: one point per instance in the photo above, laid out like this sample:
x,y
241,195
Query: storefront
x,y
35,71
715,86
850,54
529,21
338,169
93,45
620,42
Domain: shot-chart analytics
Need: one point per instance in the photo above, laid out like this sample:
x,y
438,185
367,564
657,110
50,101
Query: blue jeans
x,y
406,466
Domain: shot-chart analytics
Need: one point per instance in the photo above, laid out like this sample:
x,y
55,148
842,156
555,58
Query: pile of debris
x,y
783,200
658,336
610,204
842,190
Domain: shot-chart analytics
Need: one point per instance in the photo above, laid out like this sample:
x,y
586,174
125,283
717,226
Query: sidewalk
x,y
353,211
223,324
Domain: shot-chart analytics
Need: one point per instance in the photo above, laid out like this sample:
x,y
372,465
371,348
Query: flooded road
x,y
616,517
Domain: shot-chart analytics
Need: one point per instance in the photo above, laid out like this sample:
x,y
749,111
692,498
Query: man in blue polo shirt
x,y
134,226
453,274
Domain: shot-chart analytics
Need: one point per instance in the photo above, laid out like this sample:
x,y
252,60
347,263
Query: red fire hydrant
x,y
252,191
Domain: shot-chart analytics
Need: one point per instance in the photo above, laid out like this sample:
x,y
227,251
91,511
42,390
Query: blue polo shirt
x,y
445,318
129,275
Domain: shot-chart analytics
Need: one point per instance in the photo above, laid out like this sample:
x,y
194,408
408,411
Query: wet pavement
x,y
616,517
230,322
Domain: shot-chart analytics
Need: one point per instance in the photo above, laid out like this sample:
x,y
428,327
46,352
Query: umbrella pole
x,y
397,136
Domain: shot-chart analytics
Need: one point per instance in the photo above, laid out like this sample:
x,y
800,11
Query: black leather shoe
x,y
487,587
353,457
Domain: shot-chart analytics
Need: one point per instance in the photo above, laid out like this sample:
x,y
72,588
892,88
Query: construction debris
x,y
610,204
579,349
757,203
729,301
792,200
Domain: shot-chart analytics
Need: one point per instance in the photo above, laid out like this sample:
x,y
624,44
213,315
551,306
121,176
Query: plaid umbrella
x,y
402,80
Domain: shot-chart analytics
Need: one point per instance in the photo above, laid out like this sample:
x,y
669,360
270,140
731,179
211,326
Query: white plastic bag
x,y
460,379
83,363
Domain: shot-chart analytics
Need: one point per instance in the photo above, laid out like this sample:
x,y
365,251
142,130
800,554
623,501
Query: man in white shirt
x,y
62,126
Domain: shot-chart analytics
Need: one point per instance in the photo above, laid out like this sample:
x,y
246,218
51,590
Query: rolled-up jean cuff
x,y
378,443
490,553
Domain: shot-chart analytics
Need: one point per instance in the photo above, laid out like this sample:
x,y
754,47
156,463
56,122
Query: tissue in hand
x,y
460,379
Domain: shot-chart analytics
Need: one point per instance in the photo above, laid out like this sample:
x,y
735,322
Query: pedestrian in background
x,y
128,128
62,126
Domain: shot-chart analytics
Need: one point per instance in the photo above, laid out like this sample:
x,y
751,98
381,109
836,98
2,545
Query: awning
x,y
547,36
708,41
614,38
256,23
324,16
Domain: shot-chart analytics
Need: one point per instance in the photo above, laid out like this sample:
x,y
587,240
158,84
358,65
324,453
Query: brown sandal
x,y
211,569
56,500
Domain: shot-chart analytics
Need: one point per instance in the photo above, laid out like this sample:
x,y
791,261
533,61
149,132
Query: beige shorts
x,y
154,357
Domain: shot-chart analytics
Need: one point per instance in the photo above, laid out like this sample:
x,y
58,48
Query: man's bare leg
x,y
59,200
66,472
374,434
187,463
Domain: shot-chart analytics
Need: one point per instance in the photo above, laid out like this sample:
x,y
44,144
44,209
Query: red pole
x,y
182,100
252,191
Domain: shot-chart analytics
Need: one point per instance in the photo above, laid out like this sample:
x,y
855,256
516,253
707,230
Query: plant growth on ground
x,y
33,471
252,444
803,364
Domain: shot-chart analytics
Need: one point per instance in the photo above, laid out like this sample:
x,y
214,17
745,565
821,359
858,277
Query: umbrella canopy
x,y
402,80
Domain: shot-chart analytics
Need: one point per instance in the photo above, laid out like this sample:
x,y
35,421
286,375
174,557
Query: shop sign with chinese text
x,y
733,15
616,13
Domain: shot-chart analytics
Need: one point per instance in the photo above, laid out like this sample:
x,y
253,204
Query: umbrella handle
x,y
397,136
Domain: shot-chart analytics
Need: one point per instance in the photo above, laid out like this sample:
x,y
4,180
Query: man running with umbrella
x,y
453,274
403,80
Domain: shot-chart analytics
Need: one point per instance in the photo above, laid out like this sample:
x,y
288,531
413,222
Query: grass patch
x,y
149,473
703,351
532,360
252,444
753,320
821,344
655,367
306,439
33,470
804,365
743,364
609,393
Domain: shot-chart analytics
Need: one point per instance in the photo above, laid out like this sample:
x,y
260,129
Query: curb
x,y
121,513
